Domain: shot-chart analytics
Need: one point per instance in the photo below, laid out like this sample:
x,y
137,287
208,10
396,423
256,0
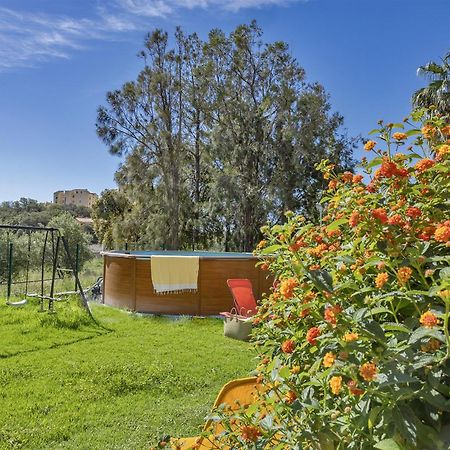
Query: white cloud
x,y
148,8
28,38
160,8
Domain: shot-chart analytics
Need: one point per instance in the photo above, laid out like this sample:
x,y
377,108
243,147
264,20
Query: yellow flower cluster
x,y
368,371
404,274
328,359
428,319
336,384
350,337
381,280
399,136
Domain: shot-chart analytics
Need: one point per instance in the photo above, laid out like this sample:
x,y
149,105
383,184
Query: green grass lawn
x,y
68,384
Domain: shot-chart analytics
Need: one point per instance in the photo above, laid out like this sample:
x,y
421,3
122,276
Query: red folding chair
x,y
244,300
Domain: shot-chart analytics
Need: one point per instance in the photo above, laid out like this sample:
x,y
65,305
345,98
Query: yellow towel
x,y
174,273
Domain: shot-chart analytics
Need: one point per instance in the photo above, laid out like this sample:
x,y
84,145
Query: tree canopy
x,y
217,138
437,94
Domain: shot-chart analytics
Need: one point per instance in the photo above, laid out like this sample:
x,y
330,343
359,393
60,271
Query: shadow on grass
x,y
25,330
55,345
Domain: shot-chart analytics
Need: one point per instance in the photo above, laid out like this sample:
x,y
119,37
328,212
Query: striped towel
x,y
174,274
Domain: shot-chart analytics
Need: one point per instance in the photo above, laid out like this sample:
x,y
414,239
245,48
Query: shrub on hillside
x,y
74,235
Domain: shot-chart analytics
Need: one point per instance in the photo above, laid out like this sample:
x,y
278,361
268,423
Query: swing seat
x,y
20,303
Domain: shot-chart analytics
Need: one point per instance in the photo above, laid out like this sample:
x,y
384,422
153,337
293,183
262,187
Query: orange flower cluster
x,y
443,150
431,346
424,164
358,178
318,251
413,212
368,371
328,359
288,346
312,334
355,218
347,177
399,136
396,219
350,337
369,145
404,274
331,312
336,384
297,245
426,233
389,169
380,214
261,244
428,319
332,185
287,287
352,387
250,433
290,397
428,131
442,233
381,280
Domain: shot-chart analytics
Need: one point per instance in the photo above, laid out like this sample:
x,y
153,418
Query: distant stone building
x,y
78,197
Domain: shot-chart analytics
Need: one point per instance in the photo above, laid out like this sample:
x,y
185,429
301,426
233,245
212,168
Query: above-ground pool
x,y
127,282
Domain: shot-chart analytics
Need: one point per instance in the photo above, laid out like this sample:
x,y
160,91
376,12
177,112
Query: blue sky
x,y
58,58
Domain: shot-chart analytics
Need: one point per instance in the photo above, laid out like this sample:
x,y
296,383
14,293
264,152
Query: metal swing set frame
x,y
56,244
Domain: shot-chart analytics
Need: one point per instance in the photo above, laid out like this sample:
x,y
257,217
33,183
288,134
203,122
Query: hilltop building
x,y
79,197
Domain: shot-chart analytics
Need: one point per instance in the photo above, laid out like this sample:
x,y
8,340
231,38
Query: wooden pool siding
x,y
128,284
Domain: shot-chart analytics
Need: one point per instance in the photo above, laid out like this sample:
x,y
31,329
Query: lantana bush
x,y
354,338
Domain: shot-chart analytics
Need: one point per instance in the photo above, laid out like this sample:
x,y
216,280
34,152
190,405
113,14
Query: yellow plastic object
x,y
236,394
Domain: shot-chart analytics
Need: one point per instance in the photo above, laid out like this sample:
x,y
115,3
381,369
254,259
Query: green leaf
x,y
413,132
381,246
380,310
423,360
359,314
435,399
444,273
396,378
435,377
415,155
284,372
398,125
390,326
422,332
336,224
326,441
375,162
387,444
373,416
405,421
374,131
440,168
375,329
322,279
271,249
372,262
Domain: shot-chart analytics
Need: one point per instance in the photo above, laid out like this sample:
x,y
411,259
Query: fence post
x,y
55,264
77,262
10,268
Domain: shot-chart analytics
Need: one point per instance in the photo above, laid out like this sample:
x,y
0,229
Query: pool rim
x,y
140,255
